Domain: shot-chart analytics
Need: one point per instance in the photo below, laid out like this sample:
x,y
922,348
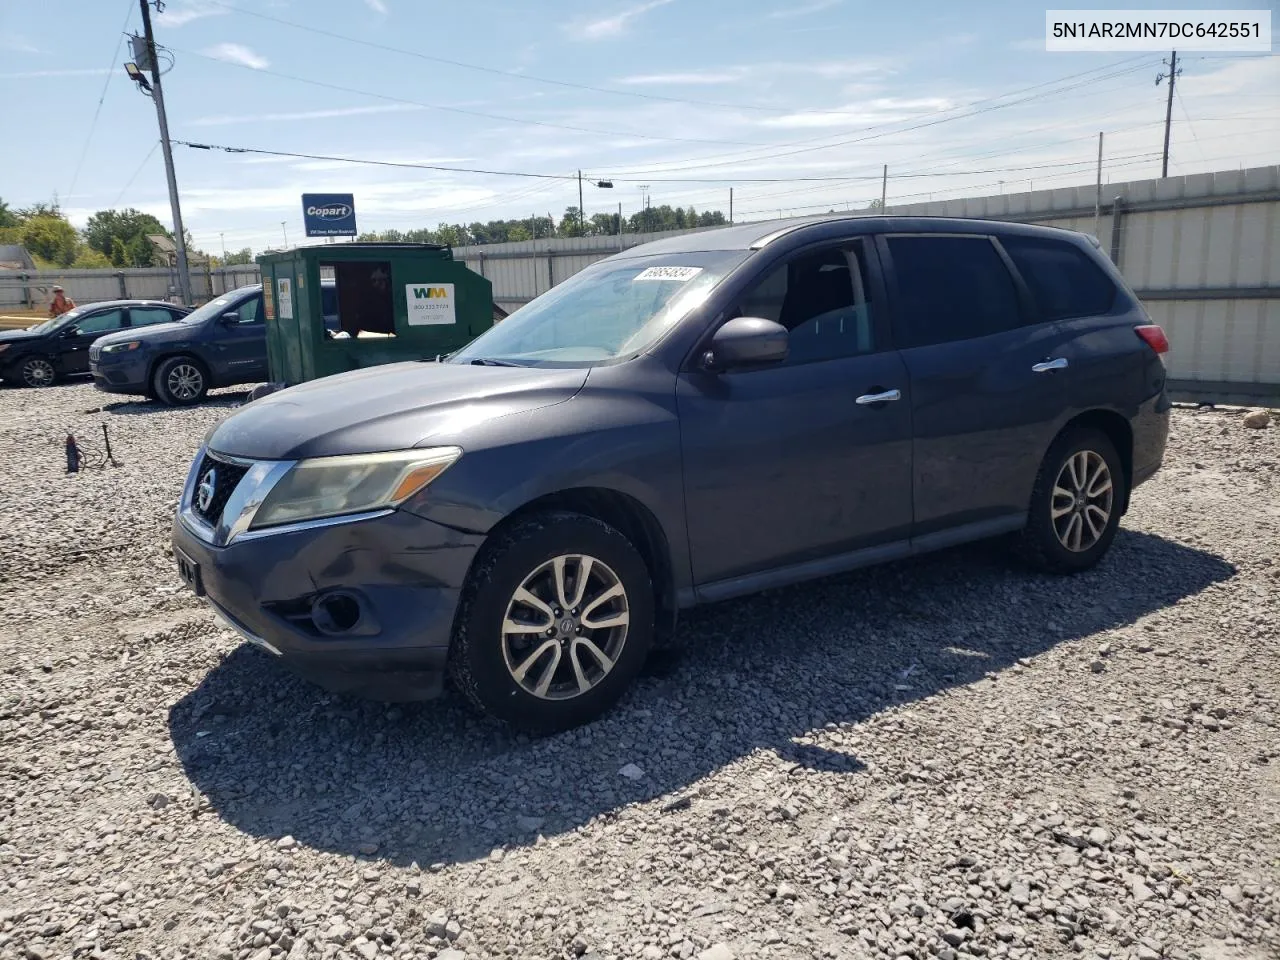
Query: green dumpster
x,y
344,306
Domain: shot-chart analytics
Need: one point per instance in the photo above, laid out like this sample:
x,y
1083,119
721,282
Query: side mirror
x,y
744,342
229,318
71,331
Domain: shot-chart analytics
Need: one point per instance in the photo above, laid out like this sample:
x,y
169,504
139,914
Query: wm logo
x,y
429,293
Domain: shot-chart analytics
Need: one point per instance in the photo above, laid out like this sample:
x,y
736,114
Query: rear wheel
x,y
37,372
1076,503
556,622
180,381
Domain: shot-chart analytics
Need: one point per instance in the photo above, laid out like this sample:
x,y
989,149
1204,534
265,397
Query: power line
x,y
480,68
123,190
93,124
375,163
465,112
573,177
739,157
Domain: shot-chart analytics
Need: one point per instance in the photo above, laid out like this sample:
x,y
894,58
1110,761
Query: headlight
x,y
122,347
332,486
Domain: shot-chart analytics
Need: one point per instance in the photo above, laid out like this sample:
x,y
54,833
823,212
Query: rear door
x,y
987,388
75,340
238,348
798,461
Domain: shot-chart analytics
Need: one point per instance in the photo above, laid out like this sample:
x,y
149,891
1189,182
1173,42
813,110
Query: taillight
x,y
1154,336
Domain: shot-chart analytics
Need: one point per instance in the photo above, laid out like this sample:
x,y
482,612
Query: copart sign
x,y
329,214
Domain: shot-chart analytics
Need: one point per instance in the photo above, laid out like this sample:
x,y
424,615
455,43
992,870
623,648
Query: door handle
x,y
884,397
1048,366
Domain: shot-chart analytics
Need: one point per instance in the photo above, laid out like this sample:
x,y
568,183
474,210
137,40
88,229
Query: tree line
x,y
110,238
647,220
118,238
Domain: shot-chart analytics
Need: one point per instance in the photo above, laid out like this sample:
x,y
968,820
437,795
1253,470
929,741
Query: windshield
x,y
58,321
609,311
213,308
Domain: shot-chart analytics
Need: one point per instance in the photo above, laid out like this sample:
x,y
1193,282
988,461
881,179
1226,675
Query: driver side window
x,y
105,322
251,310
822,298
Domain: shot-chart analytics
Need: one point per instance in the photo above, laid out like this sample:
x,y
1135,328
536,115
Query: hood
x,y
155,331
15,336
392,407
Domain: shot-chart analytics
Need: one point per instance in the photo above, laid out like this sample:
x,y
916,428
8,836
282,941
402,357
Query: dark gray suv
x,y
687,421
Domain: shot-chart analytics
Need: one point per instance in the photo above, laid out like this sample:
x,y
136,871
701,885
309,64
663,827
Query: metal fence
x,y
1202,252
32,290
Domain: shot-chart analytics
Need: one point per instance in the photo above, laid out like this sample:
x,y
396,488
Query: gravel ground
x,y
943,758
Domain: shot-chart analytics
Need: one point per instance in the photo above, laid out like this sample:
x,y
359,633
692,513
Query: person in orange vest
x,y
61,303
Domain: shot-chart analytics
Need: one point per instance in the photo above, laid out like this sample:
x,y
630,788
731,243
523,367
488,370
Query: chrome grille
x,y
216,480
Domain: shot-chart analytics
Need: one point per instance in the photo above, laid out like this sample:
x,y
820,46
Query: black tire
x,y
481,650
1066,544
180,381
36,371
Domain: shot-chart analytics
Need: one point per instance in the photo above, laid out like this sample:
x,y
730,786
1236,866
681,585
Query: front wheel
x,y
180,381
556,622
1076,503
37,372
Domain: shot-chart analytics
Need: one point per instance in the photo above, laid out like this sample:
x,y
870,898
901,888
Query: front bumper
x,y
404,573
128,374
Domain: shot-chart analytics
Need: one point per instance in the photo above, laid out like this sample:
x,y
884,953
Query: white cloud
x,y
689,77
238,53
17,43
222,120
882,110
788,13
177,15
377,6
614,26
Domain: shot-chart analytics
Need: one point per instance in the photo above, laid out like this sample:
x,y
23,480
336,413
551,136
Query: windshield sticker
x,y
676,274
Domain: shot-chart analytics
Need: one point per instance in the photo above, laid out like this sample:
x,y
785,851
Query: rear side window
x,y
149,316
1064,281
951,288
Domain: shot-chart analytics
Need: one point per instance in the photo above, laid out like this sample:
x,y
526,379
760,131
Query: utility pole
x,y
731,204
619,226
222,238
1097,197
582,214
180,234
1171,76
884,185
285,233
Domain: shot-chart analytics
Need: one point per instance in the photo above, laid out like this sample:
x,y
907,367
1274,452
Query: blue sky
x,y
732,91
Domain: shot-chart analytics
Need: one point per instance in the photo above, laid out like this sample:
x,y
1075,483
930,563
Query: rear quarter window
x,y
1063,279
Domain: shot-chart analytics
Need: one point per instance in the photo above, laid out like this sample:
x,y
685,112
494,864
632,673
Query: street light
x,y
138,77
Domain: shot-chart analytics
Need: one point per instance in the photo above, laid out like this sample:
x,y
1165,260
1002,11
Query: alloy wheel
x,y
565,627
1083,496
37,372
185,381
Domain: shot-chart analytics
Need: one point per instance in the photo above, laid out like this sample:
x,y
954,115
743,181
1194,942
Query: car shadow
x,y
143,406
433,783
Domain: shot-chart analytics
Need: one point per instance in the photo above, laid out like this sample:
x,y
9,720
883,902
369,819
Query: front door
x,y
77,339
987,395
239,345
795,461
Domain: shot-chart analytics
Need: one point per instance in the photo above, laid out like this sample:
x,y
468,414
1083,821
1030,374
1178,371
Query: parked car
x,y
221,344
687,421
41,354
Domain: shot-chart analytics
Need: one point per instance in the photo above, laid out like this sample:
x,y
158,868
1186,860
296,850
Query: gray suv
x,y
687,421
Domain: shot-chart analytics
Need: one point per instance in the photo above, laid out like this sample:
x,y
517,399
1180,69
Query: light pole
x,y
285,233
146,53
